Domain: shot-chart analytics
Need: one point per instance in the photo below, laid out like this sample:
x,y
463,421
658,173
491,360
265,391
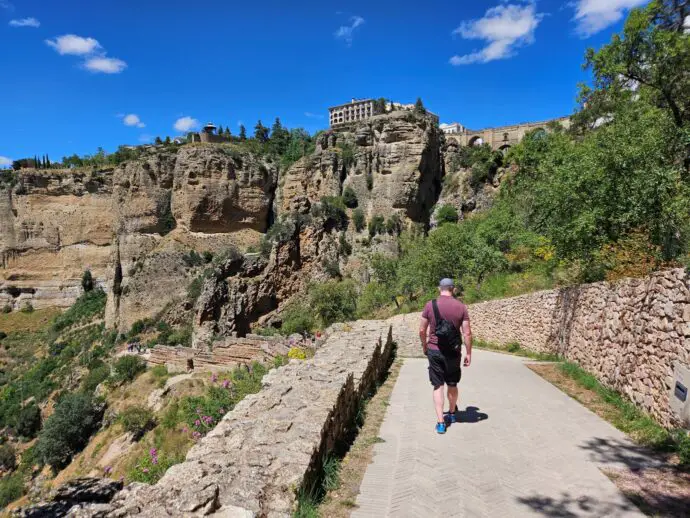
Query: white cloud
x,y
504,28
593,16
105,65
132,119
75,45
5,162
186,124
25,22
313,115
345,32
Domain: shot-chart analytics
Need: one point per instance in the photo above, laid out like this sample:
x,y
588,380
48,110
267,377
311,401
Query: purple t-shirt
x,y
451,310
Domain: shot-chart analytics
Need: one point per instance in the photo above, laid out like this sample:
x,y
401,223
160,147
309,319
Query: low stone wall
x,y
232,352
273,443
630,334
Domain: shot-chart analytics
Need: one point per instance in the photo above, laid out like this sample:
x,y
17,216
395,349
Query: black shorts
x,y
443,369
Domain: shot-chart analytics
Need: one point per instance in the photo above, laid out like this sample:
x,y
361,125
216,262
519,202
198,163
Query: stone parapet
x,y
273,443
630,334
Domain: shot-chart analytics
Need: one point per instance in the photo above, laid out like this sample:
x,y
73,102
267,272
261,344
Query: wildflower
x,y
145,470
197,423
196,435
107,470
184,429
214,377
153,452
226,383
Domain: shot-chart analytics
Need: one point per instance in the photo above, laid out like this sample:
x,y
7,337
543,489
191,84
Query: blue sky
x,y
78,75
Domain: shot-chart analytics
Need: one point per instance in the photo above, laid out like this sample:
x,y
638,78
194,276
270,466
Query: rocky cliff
x,y
139,226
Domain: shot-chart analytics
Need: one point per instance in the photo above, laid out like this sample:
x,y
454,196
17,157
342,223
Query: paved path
x,y
525,449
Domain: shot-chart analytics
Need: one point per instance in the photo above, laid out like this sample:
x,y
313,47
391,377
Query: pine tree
x,y
261,132
279,137
167,140
227,132
219,130
243,132
48,161
158,141
419,106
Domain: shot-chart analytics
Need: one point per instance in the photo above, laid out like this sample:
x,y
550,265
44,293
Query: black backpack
x,y
447,334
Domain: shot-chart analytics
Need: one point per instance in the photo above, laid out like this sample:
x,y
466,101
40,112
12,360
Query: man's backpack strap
x,y
437,315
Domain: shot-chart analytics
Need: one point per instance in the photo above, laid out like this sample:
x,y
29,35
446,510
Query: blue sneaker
x,y
449,418
440,427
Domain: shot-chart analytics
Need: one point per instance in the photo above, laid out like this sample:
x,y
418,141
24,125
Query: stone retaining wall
x,y
273,443
630,334
232,352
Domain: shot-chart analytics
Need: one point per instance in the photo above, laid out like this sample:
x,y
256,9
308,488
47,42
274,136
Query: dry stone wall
x,y
229,353
631,334
273,443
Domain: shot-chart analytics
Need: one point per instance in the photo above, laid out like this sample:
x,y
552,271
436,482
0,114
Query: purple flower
x,y
196,435
185,429
226,383
153,452
214,377
154,460
145,470
197,423
107,470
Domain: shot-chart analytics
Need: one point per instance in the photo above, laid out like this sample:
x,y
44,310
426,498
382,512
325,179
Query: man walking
x,y
444,319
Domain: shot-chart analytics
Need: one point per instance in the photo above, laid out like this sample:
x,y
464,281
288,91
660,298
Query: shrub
x,y
95,377
358,219
137,420
152,466
11,488
297,353
194,288
376,226
28,308
446,214
139,327
370,181
182,336
8,457
29,421
394,225
128,367
332,268
3,335
7,309
332,208
344,247
87,281
67,431
208,256
350,197
333,301
374,296
192,258
297,318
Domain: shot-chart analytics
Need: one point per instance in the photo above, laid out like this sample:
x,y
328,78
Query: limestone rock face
x,y
393,163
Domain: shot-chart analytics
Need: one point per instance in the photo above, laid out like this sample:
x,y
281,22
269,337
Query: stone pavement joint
x,y
537,453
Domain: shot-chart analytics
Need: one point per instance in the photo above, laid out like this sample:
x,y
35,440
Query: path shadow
x,y
618,453
470,415
568,506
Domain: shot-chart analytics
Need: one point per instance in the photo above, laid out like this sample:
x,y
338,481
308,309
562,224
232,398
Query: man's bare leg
x,y
452,398
438,403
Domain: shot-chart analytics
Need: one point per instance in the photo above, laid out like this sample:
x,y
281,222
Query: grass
x,y
19,321
625,416
515,349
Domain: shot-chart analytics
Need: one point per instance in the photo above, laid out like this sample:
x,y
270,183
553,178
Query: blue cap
x,y
446,283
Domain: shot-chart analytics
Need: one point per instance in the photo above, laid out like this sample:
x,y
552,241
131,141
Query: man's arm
x,y
423,325
467,334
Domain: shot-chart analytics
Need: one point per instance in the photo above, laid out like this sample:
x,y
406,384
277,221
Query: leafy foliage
x,y
29,421
86,307
349,197
358,219
8,459
137,420
446,214
297,318
87,281
68,429
128,367
333,301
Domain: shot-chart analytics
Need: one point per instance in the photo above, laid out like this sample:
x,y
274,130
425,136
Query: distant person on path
x,y
443,320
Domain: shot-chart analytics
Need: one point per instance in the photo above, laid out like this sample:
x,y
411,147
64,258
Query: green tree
x,y
8,459
158,141
243,132
68,429
358,219
333,301
87,281
419,106
167,140
279,137
219,130
128,367
350,197
377,225
227,132
29,421
261,132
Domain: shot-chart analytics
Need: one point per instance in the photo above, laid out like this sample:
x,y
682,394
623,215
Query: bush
x,y
358,219
377,225
8,457
344,247
28,308
86,307
29,421
95,377
128,367
3,335
194,288
394,225
374,296
11,488
332,208
7,309
68,430
297,318
446,214
87,281
152,466
333,301
297,353
350,197
137,420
